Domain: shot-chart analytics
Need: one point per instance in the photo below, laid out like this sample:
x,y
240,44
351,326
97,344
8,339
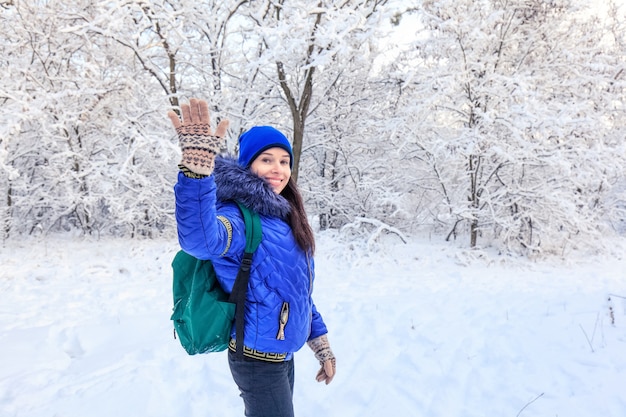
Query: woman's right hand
x,y
198,143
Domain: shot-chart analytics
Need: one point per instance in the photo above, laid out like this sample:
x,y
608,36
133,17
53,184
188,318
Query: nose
x,y
276,167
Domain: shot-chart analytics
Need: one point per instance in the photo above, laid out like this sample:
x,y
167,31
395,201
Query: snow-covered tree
x,y
503,122
307,73
90,82
285,56
81,151
506,104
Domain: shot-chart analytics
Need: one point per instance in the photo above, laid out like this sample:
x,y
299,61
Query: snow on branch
x,y
375,227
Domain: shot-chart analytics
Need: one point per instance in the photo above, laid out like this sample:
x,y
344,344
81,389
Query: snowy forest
x,y
496,123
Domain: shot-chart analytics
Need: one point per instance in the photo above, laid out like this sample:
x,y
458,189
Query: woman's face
x,y
273,166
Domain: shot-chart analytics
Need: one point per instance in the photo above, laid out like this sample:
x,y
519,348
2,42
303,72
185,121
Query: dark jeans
x,y
266,387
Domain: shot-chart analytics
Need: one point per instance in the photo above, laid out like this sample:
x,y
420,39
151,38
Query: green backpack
x,y
203,313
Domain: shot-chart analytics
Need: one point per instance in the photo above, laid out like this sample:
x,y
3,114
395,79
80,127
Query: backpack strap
x,y
254,235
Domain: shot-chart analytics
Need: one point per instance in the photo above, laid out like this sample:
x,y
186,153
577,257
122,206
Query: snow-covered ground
x,y
421,329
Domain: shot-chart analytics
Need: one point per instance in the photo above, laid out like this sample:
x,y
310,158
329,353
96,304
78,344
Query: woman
x,y
280,316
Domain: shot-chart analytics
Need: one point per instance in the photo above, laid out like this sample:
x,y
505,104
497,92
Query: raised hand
x,y
198,144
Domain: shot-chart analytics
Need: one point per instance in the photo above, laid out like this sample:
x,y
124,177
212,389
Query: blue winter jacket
x,y
210,226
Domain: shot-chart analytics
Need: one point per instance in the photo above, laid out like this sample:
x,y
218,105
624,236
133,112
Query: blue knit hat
x,y
259,139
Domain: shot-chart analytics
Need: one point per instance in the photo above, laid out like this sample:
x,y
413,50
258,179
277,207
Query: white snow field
x,y
423,329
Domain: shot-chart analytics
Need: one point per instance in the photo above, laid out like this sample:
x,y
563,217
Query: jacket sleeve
x,y
200,233
318,327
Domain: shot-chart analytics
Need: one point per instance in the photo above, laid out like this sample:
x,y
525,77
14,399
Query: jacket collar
x,y
236,183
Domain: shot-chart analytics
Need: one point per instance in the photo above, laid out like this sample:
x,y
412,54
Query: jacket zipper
x,y
282,321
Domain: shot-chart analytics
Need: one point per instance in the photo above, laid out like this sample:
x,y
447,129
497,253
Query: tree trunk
x,y
299,109
474,197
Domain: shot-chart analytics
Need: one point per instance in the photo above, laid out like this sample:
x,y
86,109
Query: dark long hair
x,y
298,221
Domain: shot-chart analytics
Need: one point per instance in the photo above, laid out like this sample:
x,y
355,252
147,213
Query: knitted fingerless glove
x,y
199,148
198,143
321,348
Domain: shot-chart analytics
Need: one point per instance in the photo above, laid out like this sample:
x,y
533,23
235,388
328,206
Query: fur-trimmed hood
x,y
237,183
